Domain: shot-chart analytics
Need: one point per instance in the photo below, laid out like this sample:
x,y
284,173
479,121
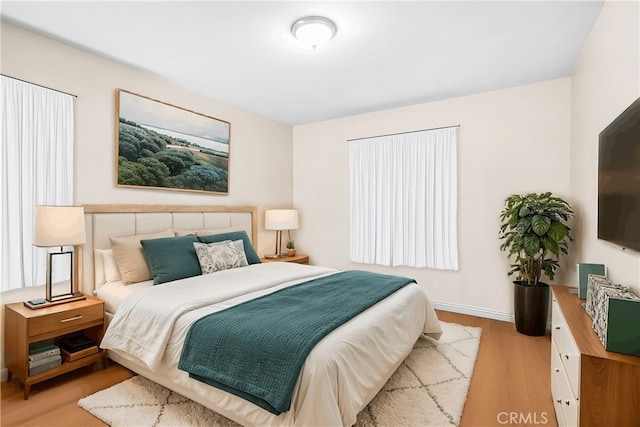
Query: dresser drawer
x,y
567,406
567,349
556,376
63,319
571,362
557,324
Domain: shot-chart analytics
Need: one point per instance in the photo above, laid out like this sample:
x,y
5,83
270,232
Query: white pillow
x,y
98,267
106,268
111,271
220,256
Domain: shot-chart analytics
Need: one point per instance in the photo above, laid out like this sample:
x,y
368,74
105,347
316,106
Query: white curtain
x,y
403,191
36,163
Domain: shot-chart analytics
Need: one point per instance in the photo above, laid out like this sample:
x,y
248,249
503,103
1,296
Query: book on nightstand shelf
x,y
43,355
42,350
77,347
79,354
45,364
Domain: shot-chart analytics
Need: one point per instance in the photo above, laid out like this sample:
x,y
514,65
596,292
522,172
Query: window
x,y
36,162
403,191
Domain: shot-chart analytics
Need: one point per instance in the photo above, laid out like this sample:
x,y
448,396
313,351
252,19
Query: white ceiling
x,y
385,55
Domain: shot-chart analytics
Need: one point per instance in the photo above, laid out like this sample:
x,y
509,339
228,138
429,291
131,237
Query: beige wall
x,y
260,148
606,80
509,141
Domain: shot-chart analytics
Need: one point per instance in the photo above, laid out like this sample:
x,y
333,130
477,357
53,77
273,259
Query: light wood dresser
x,y
589,385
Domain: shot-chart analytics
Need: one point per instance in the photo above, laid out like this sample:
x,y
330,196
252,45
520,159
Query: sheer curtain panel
x,y
37,169
403,191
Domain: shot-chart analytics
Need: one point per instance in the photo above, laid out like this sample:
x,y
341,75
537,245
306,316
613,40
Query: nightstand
x,y
24,326
298,259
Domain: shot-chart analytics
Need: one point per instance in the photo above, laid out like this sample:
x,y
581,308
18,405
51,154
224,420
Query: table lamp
x,y
59,226
280,220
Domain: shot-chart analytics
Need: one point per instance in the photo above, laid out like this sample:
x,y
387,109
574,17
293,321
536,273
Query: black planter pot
x,y
531,308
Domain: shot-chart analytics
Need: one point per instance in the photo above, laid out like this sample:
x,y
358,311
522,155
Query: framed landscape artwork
x,y
163,146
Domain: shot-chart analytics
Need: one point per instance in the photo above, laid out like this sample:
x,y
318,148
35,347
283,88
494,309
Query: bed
x,y
342,373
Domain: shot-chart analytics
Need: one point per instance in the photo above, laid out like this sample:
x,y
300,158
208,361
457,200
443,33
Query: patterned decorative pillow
x,y
220,256
242,256
238,245
252,256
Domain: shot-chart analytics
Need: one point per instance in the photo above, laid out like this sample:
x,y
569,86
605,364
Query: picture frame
x,y
163,146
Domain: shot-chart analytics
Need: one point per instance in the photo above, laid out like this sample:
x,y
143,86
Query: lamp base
x,y
75,296
275,256
42,303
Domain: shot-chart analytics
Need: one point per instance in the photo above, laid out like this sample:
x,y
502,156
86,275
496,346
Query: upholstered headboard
x,y
105,221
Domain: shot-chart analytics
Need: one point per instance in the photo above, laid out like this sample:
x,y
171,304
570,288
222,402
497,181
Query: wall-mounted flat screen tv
x,y
619,180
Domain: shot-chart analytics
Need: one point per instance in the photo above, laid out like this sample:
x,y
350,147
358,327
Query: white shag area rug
x,y
428,389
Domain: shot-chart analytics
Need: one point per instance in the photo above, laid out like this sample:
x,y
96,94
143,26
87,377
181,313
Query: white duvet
x,y
341,375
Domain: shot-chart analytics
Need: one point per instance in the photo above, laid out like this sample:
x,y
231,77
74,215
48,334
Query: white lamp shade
x,y
59,226
281,219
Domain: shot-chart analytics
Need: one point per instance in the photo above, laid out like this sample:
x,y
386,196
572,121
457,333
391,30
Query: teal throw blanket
x,y
256,350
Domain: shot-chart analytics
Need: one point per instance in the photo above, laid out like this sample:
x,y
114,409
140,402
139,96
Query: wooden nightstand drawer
x,y
63,319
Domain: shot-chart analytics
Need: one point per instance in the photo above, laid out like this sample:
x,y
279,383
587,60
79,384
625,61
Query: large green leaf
x,y
549,267
531,245
540,224
513,221
523,226
551,245
558,231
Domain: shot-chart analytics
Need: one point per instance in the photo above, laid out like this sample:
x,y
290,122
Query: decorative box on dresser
x,y
24,326
589,385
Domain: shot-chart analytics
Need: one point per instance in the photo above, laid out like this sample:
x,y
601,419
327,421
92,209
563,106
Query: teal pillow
x,y
252,256
171,258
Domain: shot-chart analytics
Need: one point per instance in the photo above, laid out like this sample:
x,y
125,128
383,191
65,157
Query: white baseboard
x,y
473,311
4,374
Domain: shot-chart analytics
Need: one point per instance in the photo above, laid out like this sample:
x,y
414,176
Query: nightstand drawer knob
x,y
71,319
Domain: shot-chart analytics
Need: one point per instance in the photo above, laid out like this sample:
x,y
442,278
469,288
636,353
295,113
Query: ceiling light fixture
x,y
314,31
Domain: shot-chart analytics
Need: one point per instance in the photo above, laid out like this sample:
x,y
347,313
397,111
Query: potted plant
x,y
535,233
291,247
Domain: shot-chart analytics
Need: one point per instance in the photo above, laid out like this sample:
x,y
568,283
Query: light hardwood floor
x,y
511,382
